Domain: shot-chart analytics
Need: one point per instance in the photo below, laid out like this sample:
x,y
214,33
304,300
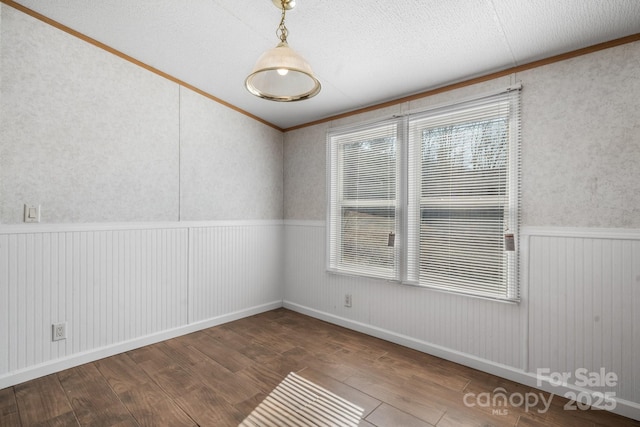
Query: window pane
x,y
369,169
463,196
465,160
365,236
363,198
460,244
462,247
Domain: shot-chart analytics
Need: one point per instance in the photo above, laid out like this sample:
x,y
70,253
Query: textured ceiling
x,y
364,52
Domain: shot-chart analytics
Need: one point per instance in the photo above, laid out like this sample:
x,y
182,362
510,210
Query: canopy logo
x,y
500,401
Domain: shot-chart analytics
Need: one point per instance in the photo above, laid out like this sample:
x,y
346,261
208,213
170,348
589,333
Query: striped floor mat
x,y
299,402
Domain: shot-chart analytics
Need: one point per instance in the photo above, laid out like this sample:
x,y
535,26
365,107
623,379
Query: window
x,y
456,171
463,196
363,200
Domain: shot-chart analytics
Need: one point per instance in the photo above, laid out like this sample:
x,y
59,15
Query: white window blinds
x,y
463,166
363,191
430,199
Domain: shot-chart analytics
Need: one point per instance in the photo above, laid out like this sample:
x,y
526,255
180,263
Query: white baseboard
x,y
623,407
21,228
78,359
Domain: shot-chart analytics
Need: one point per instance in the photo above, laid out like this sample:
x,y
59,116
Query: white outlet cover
x,y
347,300
58,331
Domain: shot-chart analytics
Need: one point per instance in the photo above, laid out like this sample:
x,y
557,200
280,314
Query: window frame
x,y
337,202
408,218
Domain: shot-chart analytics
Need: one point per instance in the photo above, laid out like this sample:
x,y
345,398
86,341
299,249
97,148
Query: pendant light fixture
x,y
280,73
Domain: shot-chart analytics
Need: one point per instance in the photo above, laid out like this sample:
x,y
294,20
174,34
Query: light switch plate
x,y
31,213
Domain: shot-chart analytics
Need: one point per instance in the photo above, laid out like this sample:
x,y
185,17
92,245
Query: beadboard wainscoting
x,y
584,308
579,309
122,286
233,268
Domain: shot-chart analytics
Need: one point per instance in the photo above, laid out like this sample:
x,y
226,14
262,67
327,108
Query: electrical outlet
x,y
347,300
58,331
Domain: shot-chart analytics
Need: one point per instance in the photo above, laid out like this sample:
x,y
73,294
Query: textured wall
x,y
230,164
580,143
93,138
85,134
304,173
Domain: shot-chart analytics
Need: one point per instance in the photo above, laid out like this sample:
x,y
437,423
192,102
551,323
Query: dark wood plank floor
x,y
216,377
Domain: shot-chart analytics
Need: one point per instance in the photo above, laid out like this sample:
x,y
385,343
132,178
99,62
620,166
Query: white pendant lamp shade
x,y
282,75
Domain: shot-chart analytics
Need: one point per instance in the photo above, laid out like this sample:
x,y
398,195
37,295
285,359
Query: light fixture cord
x,y
282,31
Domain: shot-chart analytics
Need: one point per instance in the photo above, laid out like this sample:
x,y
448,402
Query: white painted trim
x,y
523,268
111,226
623,407
77,359
582,232
585,232
234,223
304,223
